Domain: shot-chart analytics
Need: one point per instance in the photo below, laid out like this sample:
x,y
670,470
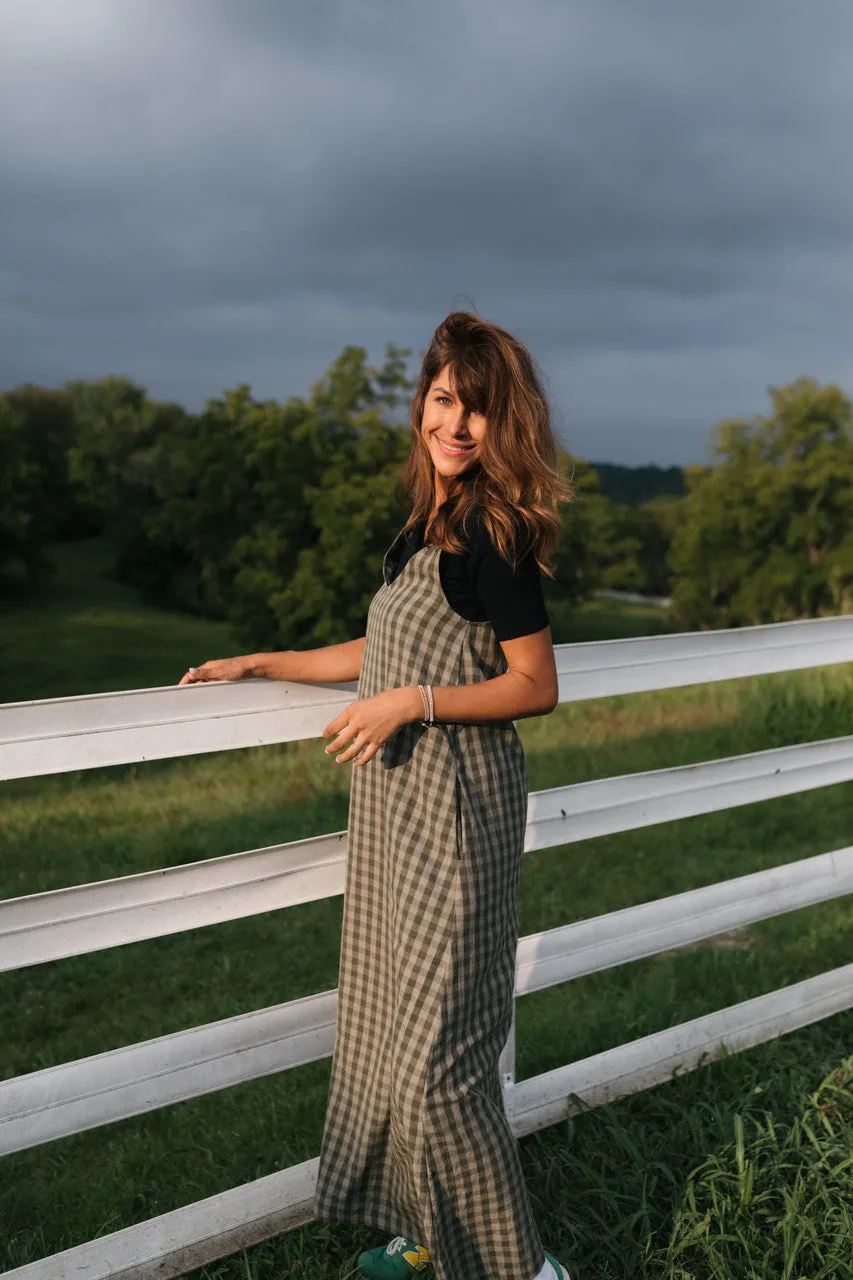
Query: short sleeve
x,y
511,600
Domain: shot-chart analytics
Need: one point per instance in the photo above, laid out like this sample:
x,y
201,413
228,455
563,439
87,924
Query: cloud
x,y
656,198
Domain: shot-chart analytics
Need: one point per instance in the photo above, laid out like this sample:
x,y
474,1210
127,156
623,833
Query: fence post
x,y
507,1065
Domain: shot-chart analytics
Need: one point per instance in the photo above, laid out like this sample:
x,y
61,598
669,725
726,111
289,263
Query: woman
x,y
457,648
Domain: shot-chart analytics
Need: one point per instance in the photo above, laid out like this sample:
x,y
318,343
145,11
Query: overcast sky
x,y
656,196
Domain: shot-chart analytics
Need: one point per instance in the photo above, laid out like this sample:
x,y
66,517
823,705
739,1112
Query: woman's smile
x,y
455,450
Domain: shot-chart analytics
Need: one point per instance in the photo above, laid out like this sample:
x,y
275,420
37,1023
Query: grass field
x,y
686,1180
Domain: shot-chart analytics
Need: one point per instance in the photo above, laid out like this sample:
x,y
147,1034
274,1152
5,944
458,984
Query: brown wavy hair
x,y
515,479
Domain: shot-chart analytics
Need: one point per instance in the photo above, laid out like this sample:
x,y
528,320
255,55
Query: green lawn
x,y
622,1191
89,634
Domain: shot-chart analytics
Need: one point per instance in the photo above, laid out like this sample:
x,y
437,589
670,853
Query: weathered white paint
x,y
58,734
174,1243
641,1064
588,946
608,805
601,668
177,1242
74,1096
109,913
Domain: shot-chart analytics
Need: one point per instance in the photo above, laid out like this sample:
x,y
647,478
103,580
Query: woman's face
x,y
452,434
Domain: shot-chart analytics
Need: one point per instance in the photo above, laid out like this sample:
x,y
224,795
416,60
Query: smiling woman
x,y
416,1140
457,648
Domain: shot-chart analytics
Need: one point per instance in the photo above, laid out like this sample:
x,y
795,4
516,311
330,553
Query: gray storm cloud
x,y
656,197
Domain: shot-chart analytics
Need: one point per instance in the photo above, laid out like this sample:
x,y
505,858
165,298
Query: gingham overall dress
x,y
416,1141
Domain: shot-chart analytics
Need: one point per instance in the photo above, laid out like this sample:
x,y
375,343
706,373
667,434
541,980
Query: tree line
x,y
275,515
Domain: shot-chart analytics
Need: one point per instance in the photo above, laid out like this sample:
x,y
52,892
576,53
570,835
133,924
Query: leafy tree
x,y
633,543
125,448
306,569
607,544
36,502
272,515
22,513
578,568
766,532
209,488
109,434
636,485
664,516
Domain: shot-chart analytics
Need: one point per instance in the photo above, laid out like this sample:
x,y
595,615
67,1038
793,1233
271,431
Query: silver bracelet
x,y
429,705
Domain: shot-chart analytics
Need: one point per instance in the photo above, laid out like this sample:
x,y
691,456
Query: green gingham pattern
x,y
416,1141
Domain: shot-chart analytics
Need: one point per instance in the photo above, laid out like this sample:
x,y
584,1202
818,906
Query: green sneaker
x,y
561,1271
400,1259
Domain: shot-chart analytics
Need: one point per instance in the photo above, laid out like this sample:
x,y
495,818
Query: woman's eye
x,y
444,398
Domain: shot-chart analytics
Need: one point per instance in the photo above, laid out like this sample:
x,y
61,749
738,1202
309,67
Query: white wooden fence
x,y
61,734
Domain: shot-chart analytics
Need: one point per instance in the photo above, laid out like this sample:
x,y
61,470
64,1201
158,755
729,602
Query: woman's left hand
x,y
370,722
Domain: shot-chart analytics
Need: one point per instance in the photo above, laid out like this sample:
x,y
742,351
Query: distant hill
x,y
634,485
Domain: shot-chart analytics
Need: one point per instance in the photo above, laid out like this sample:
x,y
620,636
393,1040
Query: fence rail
x,y
58,1101
57,735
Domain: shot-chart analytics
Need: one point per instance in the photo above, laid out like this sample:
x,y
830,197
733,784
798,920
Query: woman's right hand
x,y
218,669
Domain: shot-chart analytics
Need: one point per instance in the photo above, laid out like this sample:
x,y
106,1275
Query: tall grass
x,y
777,1198
652,1186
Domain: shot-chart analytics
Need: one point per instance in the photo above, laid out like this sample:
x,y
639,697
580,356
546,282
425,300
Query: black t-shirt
x,y
480,585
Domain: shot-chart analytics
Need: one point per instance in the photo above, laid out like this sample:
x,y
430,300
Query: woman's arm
x,y
332,664
529,688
